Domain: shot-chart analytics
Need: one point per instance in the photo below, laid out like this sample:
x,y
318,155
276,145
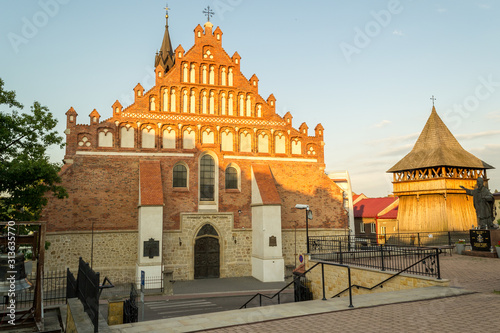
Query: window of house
x,y
231,178
362,227
373,230
180,176
207,178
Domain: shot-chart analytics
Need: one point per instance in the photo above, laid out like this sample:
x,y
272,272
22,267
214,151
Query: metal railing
x,y
297,279
323,244
380,284
383,257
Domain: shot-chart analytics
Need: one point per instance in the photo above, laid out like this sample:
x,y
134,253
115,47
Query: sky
x,y
366,70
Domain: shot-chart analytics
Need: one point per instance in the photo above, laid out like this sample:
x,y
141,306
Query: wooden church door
x,y
207,254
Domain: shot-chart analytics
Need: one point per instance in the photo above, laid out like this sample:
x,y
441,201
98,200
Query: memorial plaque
x,y
151,248
272,241
480,240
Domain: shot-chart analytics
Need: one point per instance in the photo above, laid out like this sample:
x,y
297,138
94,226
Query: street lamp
x,y
309,216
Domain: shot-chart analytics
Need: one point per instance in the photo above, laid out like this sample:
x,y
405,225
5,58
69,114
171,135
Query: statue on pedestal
x,y
483,203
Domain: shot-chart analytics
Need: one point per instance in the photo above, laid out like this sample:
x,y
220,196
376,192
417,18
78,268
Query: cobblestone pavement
x,y
474,312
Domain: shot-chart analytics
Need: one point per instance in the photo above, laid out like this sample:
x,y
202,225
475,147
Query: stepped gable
x,y
200,91
436,146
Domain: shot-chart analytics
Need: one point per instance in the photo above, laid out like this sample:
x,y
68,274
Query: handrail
x,y
288,285
438,252
322,263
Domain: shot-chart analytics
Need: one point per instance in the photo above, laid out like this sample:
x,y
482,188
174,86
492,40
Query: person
x,y
483,203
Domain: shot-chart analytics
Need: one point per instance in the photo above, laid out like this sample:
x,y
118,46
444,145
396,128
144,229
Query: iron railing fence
x,y
54,291
88,291
152,284
130,307
414,260
325,244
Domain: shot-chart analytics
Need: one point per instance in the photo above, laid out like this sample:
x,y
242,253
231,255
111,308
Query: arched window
x,y
207,178
180,176
231,178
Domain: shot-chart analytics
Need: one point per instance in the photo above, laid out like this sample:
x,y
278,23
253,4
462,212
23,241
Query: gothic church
x,y
199,176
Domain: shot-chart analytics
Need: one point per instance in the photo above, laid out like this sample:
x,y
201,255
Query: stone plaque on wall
x,y
272,241
151,248
480,240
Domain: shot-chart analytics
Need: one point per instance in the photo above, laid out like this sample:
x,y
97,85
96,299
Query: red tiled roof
x,y
266,184
370,207
150,183
390,215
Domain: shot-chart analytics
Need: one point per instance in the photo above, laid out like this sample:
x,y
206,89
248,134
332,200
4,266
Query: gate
x,y
130,308
301,289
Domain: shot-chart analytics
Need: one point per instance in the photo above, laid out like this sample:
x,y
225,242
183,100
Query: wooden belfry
x,y
427,181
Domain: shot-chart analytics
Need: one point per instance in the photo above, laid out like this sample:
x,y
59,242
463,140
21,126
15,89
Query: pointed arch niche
x,y
148,137
227,140
127,137
188,138
279,144
245,142
169,138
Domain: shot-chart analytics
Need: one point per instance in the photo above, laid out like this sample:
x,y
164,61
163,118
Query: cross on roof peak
x,y
209,12
433,99
166,10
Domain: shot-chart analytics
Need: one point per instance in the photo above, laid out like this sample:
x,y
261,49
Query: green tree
x,y
26,174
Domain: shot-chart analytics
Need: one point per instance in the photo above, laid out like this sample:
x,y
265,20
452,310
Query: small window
x,y
373,230
180,176
231,178
362,228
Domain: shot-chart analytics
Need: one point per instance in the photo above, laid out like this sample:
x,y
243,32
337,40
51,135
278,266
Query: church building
x,y
199,176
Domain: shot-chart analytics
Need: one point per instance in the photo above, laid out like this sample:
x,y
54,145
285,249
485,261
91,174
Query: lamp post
x,y
308,217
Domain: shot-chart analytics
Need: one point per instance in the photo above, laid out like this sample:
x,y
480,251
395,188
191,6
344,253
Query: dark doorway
x,y
206,258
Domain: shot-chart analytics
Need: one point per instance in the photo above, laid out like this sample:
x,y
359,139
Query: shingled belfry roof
x,y
436,146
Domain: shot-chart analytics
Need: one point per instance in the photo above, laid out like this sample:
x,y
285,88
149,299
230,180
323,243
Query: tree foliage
x,y
26,174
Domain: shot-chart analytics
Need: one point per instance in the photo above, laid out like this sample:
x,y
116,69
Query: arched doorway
x,y
207,253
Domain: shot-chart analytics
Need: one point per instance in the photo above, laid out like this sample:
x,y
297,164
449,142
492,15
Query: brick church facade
x,y
199,176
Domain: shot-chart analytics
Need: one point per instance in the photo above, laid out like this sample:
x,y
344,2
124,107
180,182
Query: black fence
x,y
324,244
410,259
130,308
54,291
152,284
87,290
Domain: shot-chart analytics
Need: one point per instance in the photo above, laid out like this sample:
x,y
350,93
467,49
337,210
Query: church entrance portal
x,y
207,253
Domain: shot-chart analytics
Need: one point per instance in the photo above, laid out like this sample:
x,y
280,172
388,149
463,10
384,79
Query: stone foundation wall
x,y
115,253
336,280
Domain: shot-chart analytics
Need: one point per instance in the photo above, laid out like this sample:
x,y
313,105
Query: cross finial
x,y
207,11
433,99
166,10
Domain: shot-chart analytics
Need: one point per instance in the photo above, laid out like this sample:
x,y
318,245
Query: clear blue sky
x,y
364,69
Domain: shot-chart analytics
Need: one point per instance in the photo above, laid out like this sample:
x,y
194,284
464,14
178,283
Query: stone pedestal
x,y
168,283
115,311
482,254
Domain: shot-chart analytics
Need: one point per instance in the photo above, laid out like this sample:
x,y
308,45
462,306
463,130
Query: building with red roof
x,y
376,216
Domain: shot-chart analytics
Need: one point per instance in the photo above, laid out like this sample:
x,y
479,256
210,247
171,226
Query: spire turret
x,y
165,57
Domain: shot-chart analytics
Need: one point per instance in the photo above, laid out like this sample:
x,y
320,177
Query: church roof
x,y
436,146
151,190
165,57
266,184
